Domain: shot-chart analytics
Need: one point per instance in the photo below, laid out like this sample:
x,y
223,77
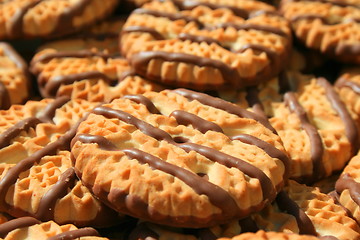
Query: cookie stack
x,y
180,119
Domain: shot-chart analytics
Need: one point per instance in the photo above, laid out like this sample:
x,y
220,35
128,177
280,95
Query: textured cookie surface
x,y
331,27
202,161
38,18
30,228
206,44
14,77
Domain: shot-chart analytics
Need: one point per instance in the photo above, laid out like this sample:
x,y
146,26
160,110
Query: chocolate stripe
x,y
48,113
252,98
270,150
343,82
347,182
74,234
141,99
186,118
223,105
252,26
216,195
155,34
17,223
198,39
14,131
351,130
286,204
268,190
317,148
47,203
140,60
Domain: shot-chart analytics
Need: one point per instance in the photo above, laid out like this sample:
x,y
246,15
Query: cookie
x,y
87,74
36,18
202,161
331,27
305,210
206,45
14,77
261,235
31,228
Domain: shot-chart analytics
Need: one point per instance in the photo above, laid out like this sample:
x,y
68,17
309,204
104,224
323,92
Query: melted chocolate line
x,y
140,60
335,196
63,143
186,118
286,204
170,16
48,113
14,131
217,196
142,231
309,17
17,223
252,26
268,190
155,34
55,82
127,73
4,97
270,150
74,234
16,29
141,99
223,105
343,82
272,55
47,203
340,108
347,182
252,97
197,39
317,148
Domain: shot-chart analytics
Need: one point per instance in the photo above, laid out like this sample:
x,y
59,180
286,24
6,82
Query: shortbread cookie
x,y
347,187
38,18
261,235
102,36
87,74
331,27
14,77
305,210
30,228
205,44
179,158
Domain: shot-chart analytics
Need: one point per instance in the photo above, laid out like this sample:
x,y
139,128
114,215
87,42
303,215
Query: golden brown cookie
x,y
87,74
206,44
38,18
14,77
332,27
305,210
31,228
179,158
261,235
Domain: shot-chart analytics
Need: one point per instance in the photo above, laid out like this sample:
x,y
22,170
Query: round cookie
x,y
14,77
331,27
179,158
37,18
30,228
206,45
261,235
87,74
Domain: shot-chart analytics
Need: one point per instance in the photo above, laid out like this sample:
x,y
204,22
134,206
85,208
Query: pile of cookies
x,y
180,119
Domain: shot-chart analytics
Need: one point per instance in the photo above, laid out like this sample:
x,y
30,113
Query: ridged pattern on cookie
x,y
173,150
86,74
206,45
38,18
14,77
329,26
30,228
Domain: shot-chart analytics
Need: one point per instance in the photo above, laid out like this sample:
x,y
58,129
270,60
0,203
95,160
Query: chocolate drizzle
x,y
14,131
268,148
347,182
186,118
155,34
74,234
54,83
317,148
286,204
252,26
48,113
14,224
216,195
140,99
340,108
223,105
198,39
47,203
343,82
252,97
